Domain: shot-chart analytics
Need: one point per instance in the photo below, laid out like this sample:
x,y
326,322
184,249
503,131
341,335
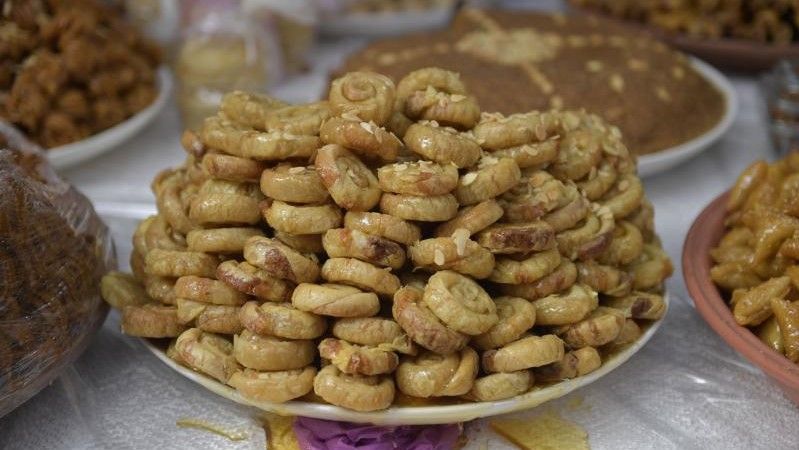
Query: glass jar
x,y
221,50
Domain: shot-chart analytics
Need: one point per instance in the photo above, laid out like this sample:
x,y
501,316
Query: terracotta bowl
x,y
704,234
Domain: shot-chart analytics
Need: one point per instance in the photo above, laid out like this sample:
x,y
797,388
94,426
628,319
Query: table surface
x,y
686,389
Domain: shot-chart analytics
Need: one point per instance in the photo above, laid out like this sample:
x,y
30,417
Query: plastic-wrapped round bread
x,y
396,238
54,253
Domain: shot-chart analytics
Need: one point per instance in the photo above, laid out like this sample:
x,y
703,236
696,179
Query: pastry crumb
x,y
200,424
546,431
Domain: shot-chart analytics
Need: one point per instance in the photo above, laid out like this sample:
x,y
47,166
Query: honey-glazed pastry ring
x,y
220,240
423,209
516,316
367,139
356,392
277,386
207,352
384,225
297,119
492,178
281,320
457,253
254,281
208,290
441,144
473,218
374,331
367,95
301,219
292,184
500,386
335,300
560,279
460,303
269,353
358,359
360,274
349,181
433,375
511,271
455,110
418,178
347,243
566,308
525,353
281,260
422,325
151,320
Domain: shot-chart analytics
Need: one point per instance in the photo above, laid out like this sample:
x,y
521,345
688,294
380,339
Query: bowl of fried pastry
x,y
75,78
739,263
745,36
393,254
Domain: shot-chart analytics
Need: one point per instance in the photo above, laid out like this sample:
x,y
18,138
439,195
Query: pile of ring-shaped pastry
x,y
394,238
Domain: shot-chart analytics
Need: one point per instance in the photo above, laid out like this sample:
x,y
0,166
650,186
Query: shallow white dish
x,y
386,23
71,154
417,415
666,159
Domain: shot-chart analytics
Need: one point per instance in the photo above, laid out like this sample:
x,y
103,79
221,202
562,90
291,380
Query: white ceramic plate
x,y
417,415
71,154
386,23
666,159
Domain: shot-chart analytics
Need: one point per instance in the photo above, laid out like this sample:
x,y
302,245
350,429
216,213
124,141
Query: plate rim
x,y
386,23
666,159
74,153
420,415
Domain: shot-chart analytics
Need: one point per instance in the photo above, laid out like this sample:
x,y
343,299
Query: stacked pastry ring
x,y
394,238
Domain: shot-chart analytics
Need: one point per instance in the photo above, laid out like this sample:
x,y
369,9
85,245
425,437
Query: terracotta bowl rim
x,y
726,43
696,265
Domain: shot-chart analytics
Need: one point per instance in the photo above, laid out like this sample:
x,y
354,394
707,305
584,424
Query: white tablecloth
x,y
686,389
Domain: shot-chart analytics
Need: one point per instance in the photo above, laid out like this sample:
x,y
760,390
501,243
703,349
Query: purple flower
x,y
317,434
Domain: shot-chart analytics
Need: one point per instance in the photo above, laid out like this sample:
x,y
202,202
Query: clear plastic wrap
x,y
53,251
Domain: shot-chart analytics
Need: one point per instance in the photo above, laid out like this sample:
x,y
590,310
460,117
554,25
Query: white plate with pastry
x,y
75,153
419,415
